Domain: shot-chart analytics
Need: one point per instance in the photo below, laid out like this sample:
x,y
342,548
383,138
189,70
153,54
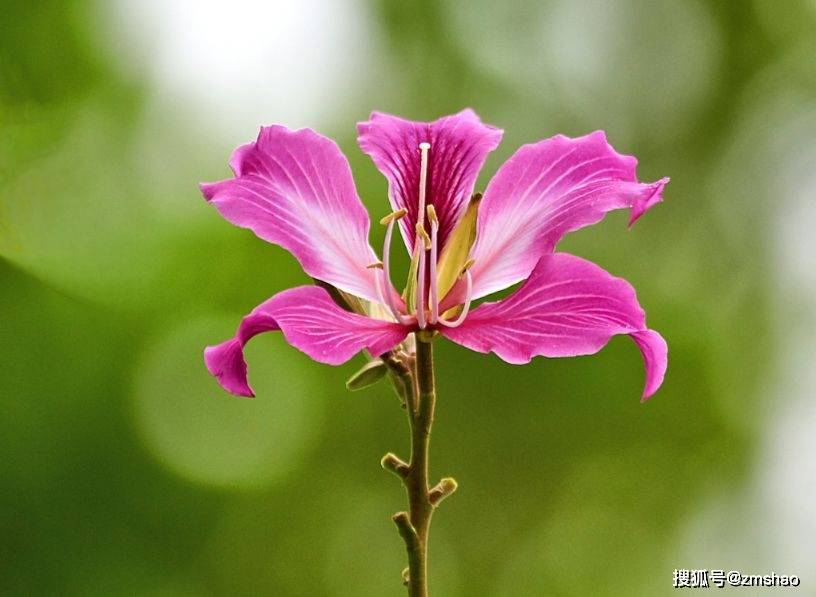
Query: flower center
x,y
423,243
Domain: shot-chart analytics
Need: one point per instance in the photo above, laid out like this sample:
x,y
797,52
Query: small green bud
x,y
442,490
393,463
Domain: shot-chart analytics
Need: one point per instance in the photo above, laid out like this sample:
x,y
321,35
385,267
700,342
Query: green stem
x,y
416,483
415,377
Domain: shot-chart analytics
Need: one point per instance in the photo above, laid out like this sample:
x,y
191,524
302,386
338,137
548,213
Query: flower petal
x,y
544,191
294,189
311,322
567,307
459,145
654,350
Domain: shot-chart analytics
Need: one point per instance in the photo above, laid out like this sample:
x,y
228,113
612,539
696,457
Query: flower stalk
x,y
414,525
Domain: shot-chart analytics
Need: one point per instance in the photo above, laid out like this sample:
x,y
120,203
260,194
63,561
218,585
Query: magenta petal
x,y
459,145
567,307
655,354
311,322
294,189
544,191
226,363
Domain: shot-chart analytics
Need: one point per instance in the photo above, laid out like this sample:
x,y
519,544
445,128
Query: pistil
x,y
423,179
422,241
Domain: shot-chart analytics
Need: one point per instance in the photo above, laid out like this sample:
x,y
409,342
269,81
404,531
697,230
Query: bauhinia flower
x,y
295,189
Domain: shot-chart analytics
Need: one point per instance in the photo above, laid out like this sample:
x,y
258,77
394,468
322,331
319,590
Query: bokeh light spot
x,y
616,65
206,435
247,62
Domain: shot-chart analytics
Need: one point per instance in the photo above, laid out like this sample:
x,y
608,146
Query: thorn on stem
x,y
393,463
442,490
406,576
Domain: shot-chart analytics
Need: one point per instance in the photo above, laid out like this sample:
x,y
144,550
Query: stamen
x,y
420,289
393,216
378,277
384,281
432,214
375,265
434,290
426,240
469,297
468,264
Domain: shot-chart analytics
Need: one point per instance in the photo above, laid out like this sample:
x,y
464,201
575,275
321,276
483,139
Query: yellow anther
x,y
375,265
468,264
420,230
394,216
432,214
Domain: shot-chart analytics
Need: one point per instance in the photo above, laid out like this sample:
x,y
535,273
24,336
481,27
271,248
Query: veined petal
x,y
459,145
654,350
294,189
311,322
544,191
567,307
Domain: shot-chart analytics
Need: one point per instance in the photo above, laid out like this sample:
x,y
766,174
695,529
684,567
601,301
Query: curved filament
x,y
434,290
384,284
420,287
469,297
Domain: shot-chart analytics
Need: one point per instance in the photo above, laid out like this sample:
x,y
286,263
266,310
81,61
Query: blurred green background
x,y
125,470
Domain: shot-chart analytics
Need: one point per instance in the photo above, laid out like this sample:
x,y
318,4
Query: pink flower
x,y
295,189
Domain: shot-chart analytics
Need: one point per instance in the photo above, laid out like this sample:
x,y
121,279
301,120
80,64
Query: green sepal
x,y
369,374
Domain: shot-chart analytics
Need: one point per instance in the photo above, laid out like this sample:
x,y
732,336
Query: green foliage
x,y
125,470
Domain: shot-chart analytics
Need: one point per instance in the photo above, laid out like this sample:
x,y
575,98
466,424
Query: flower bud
x,y
442,490
393,463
